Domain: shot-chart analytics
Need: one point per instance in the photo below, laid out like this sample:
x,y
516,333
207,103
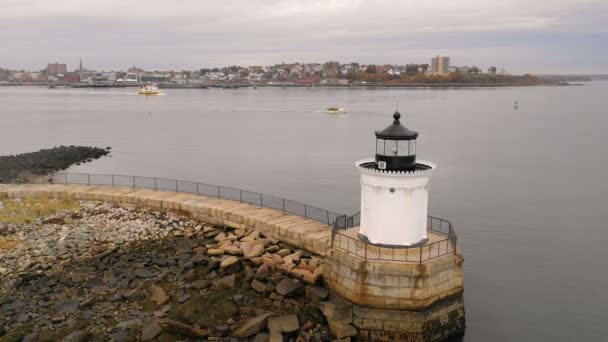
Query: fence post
x,y
327,212
241,196
218,191
366,251
155,187
283,205
133,177
197,192
89,178
66,177
305,211
261,200
112,180
420,248
176,185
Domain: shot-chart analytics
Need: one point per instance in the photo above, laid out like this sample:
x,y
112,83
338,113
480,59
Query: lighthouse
x,y
395,190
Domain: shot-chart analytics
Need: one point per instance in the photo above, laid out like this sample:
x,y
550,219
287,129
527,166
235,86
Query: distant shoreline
x,y
291,85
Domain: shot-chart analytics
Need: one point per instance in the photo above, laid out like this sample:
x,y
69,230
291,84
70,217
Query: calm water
x,y
525,188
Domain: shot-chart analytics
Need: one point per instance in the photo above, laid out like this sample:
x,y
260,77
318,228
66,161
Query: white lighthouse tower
x,y
395,190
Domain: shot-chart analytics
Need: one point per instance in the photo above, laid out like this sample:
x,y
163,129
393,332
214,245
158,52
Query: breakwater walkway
x,y
299,231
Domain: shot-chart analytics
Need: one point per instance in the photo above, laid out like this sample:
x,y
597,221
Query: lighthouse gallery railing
x,y
447,243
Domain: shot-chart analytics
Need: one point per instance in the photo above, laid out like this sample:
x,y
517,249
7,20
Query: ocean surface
x,y
526,189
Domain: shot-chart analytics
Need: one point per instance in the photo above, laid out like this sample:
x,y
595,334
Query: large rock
x,y
227,281
283,324
252,237
272,260
316,294
249,272
252,326
262,273
159,296
256,251
340,331
67,306
305,275
233,250
288,287
258,286
339,311
215,251
150,330
77,336
182,329
230,265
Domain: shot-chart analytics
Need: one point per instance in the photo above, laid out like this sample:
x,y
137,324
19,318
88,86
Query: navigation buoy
x,y
516,104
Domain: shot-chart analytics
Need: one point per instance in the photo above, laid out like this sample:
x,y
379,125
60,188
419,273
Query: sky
x,y
521,36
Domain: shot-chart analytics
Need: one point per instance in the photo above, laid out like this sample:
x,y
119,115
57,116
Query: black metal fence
x,y
342,241
244,196
340,223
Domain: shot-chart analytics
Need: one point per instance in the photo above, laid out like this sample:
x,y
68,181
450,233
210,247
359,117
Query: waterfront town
x,y
437,71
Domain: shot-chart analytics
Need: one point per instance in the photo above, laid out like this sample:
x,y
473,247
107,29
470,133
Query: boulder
x,y
339,311
316,294
288,287
220,237
215,251
283,324
200,259
150,330
258,286
67,306
200,284
272,260
256,251
262,273
284,252
245,247
158,295
252,326
227,281
340,331
305,275
77,336
249,272
252,237
233,250
230,265
182,329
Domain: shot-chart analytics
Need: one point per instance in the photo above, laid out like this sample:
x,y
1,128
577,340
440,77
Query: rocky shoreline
x,y
24,167
93,271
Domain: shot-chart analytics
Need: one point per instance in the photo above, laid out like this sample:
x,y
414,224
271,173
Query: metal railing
x,y
340,240
202,189
368,251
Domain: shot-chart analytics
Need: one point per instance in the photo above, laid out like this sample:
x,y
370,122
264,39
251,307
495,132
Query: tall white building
x,y
440,65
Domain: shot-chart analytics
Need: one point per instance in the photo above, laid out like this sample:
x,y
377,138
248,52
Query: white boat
x,y
335,110
149,89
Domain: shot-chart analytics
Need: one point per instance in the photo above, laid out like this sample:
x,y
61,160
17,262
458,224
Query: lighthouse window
x,y
412,147
390,148
379,146
403,147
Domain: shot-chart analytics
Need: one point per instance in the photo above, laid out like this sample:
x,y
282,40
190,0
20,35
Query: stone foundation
x,y
397,301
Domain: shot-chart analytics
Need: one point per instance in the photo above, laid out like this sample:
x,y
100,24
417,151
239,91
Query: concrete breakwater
x,y
383,300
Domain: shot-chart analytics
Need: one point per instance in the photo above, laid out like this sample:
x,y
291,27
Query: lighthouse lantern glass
x,y
379,146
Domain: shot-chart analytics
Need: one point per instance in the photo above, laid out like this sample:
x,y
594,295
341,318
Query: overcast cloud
x,y
537,36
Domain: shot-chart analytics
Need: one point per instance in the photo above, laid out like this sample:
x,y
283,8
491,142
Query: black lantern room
x,y
396,147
